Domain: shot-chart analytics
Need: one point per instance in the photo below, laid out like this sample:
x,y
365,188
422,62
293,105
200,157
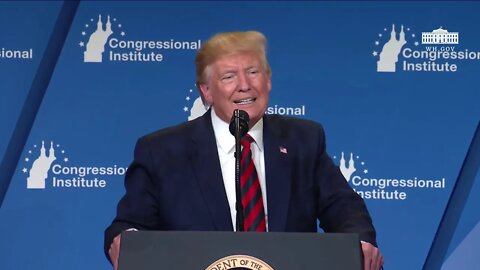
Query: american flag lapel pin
x,y
283,150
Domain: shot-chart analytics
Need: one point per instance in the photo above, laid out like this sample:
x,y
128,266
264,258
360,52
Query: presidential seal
x,y
239,262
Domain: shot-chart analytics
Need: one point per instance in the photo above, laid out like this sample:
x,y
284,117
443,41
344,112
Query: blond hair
x,y
228,43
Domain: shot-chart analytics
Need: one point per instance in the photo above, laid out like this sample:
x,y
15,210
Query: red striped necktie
x,y
254,213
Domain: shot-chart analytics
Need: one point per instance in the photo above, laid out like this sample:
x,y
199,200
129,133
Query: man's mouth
x,y
244,101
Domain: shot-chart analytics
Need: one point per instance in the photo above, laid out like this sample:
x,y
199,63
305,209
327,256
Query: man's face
x,y
237,81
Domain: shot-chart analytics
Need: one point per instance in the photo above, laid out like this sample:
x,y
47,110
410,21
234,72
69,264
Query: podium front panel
x,y
144,250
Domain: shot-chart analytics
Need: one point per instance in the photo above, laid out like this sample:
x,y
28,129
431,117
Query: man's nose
x,y
243,82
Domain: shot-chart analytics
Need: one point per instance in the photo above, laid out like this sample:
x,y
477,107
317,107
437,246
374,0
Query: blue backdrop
x,y
86,79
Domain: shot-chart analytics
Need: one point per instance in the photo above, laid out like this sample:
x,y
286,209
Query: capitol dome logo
x,y
95,47
194,105
41,164
348,170
388,55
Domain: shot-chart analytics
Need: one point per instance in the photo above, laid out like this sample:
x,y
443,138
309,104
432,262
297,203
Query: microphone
x,y
238,127
239,123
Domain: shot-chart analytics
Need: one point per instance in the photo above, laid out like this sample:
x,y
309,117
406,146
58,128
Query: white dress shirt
x,y
226,148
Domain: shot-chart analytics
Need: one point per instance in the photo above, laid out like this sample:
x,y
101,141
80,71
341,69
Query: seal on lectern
x,y
239,262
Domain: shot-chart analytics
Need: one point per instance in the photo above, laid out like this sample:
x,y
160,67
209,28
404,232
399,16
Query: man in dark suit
x,y
182,177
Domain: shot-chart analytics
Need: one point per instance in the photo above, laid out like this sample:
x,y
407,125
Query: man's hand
x,y
372,258
114,251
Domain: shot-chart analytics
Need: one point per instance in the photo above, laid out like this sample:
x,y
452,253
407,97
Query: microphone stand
x,y
238,157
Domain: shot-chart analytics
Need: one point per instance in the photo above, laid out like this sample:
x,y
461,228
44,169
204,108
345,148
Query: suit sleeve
x,y
138,208
340,209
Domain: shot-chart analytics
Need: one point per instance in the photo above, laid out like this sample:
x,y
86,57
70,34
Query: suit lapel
x,y
206,164
278,175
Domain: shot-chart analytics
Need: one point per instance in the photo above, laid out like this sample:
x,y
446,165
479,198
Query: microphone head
x,y
243,119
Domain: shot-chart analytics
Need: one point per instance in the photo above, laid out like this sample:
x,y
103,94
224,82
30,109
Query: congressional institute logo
x,y
194,107
399,48
104,39
47,165
370,186
239,262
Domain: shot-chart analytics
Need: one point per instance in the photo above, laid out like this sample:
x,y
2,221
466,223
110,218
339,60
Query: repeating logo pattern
x,y
439,51
384,188
108,42
194,107
52,169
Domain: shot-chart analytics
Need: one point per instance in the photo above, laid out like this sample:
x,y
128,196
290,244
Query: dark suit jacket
x,y
175,183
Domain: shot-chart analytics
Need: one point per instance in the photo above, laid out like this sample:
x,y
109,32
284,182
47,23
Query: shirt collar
x,y
224,138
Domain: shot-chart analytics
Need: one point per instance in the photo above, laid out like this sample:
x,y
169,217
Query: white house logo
x,y
108,41
51,169
397,48
385,188
440,36
194,107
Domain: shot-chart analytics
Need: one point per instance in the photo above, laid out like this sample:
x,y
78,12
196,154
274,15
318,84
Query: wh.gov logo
x,y
397,48
386,188
48,167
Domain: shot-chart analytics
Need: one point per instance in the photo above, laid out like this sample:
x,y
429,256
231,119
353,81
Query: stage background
x,y
413,123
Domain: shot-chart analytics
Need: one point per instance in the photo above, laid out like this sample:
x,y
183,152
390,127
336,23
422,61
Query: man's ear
x,y
206,92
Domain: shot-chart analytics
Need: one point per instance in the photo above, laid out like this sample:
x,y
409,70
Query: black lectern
x,y
144,250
